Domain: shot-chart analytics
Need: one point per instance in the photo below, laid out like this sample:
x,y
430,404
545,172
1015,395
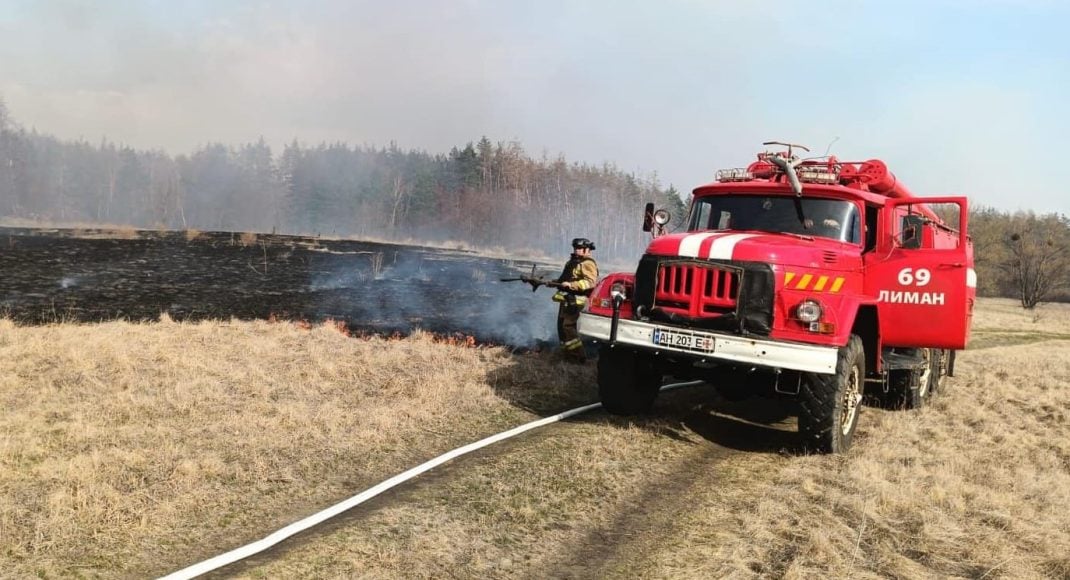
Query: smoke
x,y
404,289
373,287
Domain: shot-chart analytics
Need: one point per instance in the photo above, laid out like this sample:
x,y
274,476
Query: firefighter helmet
x,y
581,243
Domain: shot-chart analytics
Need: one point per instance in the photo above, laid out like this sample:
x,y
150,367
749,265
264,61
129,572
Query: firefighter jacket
x,y
581,271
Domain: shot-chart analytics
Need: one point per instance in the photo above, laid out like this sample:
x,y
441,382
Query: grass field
x,y
132,450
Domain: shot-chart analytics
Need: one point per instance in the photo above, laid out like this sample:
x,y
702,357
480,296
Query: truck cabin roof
x,y
869,181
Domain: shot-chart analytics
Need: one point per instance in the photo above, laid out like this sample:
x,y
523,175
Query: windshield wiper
x,y
793,234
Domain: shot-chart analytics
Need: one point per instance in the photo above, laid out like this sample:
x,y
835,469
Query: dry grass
x,y
964,489
123,233
19,222
246,239
136,449
1003,322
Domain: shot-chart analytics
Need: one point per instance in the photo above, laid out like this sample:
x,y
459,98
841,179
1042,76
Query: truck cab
x,y
826,279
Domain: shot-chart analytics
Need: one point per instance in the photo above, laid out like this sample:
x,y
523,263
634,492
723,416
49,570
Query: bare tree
x,y
399,195
1039,260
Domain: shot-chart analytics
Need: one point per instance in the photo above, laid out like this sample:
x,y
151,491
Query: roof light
x,y
734,174
815,175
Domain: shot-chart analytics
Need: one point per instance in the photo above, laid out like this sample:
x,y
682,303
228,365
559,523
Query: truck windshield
x,y
827,218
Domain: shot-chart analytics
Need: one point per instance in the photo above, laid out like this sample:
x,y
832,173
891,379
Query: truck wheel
x,y
830,404
939,364
627,382
911,388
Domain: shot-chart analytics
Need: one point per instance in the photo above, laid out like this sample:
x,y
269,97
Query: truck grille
x,y
696,290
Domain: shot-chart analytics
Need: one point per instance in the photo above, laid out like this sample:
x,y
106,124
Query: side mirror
x,y
648,217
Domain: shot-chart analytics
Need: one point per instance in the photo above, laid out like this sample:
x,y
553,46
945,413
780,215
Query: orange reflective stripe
x,y
819,285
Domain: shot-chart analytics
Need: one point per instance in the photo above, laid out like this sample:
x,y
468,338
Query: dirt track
x,y
94,275
616,513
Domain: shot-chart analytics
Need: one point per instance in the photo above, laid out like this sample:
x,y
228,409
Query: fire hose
x,y
297,527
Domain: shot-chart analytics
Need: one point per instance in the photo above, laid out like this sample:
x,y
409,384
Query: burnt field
x,y
50,275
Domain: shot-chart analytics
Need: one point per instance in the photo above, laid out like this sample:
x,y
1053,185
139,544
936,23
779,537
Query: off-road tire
x,y
940,362
829,405
627,381
912,388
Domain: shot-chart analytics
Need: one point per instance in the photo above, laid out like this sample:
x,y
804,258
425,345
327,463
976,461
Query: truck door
x,y
921,273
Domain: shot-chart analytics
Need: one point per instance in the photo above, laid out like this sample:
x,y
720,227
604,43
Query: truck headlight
x,y
809,311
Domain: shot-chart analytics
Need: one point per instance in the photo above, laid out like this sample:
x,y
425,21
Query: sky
x,y
958,97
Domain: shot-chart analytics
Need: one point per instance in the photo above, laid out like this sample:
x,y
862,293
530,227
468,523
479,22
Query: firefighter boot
x,y
572,351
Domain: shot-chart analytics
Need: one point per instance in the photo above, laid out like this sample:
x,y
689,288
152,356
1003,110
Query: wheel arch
x,y
866,325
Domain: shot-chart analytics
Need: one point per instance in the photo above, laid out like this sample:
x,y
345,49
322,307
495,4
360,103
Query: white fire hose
x,y
297,527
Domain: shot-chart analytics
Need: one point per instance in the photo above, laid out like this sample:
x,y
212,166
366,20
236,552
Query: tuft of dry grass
x,y
122,233
136,449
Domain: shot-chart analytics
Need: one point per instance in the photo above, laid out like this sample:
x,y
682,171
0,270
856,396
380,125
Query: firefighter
x,y
577,280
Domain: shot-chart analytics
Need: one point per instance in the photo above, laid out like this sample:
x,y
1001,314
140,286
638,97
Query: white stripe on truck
x,y
723,247
689,245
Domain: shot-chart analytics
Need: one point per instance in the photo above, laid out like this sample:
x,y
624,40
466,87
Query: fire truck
x,y
815,278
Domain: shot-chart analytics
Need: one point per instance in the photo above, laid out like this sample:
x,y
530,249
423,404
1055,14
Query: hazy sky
x,y
959,97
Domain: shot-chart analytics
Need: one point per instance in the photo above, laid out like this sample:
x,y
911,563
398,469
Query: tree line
x,y
481,194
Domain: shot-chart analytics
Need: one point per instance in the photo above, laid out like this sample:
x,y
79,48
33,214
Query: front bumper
x,y
738,349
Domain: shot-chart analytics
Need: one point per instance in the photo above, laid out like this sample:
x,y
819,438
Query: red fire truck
x,y
816,278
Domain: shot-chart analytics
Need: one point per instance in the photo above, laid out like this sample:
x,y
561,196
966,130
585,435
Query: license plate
x,y
683,339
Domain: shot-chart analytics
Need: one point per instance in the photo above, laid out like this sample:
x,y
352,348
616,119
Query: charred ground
x,y
49,275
